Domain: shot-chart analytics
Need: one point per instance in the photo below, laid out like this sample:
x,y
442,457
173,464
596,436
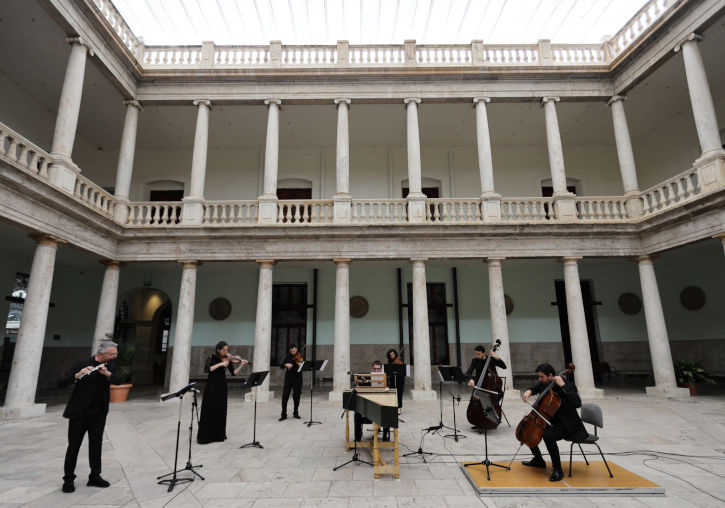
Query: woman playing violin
x,y
397,382
213,416
566,423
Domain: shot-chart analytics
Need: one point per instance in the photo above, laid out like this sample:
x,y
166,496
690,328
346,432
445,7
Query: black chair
x,y
592,414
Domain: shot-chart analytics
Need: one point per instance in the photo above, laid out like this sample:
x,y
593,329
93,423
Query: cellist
x,y
566,423
479,361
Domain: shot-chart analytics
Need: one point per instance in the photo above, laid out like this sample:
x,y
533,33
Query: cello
x,y
530,429
489,385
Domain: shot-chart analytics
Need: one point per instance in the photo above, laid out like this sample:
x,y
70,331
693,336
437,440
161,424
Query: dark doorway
x,y
289,319
548,191
437,323
160,330
589,316
430,192
166,195
289,211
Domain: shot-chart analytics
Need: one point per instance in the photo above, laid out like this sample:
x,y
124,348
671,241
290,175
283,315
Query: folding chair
x,y
592,414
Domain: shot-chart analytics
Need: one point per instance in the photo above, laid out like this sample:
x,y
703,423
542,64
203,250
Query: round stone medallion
x,y
692,298
220,308
629,303
358,307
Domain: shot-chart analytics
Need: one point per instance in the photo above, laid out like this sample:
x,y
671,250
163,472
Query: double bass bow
x,y
489,385
531,428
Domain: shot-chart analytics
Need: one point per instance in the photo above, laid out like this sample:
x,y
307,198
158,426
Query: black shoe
x,y
283,417
556,476
386,436
97,481
68,486
535,462
296,416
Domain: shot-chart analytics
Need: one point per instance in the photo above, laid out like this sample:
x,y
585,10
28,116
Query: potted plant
x,y
689,373
124,366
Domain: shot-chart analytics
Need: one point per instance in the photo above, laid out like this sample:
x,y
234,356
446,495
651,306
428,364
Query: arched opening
x,y
431,187
143,322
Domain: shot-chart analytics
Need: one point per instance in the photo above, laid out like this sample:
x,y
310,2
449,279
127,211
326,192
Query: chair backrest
x,y
592,414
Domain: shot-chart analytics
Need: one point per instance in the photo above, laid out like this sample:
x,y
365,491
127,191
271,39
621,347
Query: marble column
x,y
578,336
268,200
263,330
23,380
625,154
106,317
564,205
341,355
499,324
62,170
416,198
181,357
193,201
342,199
421,339
126,154
722,239
490,200
659,343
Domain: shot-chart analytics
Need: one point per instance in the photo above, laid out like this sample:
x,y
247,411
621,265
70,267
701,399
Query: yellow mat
x,y
592,479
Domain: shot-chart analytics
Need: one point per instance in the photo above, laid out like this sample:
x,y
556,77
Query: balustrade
x,y
304,211
93,195
25,154
672,192
601,209
232,213
154,214
453,210
527,209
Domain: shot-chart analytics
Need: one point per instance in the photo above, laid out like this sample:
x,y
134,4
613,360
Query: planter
x,y
119,393
691,386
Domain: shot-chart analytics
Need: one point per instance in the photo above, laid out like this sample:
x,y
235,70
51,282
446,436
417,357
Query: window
x,y
17,301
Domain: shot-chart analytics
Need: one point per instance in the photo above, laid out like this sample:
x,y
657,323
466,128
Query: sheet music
x,y
324,364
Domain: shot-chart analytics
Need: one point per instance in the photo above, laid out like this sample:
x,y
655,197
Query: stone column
x,y
490,200
62,170
722,239
193,202
342,198
711,163
416,198
126,153
106,317
659,343
625,154
564,205
263,330
181,358
579,339
341,355
23,380
499,324
268,200
421,340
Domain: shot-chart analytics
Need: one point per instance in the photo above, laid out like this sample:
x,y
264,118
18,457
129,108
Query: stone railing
x,y
601,209
453,210
235,213
372,55
154,214
241,56
444,54
527,209
93,195
18,150
579,54
643,21
379,211
118,25
304,211
670,193
308,55
171,56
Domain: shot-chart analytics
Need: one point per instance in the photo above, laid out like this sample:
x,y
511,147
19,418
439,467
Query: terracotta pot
x,y
119,393
691,386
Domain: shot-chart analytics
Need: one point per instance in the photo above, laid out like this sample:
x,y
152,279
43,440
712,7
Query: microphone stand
x,y
355,455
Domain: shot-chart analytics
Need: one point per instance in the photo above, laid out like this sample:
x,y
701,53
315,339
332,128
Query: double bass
x,y
531,428
489,385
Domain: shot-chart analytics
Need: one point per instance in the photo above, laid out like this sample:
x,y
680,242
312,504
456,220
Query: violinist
x,y
479,361
397,382
292,381
565,424
213,416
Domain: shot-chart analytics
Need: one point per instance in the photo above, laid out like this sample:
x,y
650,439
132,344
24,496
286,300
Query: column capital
x,y
418,260
544,100
342,261
342,101
46,239
81,42
109,263
493,260
188,263
645,258
134,103
693,37
570,259
481,100
205,102
411,100
267,102
616,98
266,263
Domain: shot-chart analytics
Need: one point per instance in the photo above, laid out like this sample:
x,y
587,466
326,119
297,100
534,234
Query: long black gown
x,y
213,418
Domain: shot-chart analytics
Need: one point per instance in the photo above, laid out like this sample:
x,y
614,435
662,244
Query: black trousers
x,y
294,386
93,422
359,421
551,436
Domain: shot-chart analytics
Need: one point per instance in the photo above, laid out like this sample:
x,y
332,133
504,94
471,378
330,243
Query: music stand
x,y
194,408
487,411
254,380
312,367
452,373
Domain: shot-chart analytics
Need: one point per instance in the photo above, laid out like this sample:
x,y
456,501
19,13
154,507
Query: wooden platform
x,y
592,480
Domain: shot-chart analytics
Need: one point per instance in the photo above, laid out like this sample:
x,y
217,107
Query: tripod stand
x,y
312,367
254,380
194,411
456,435
355,454
486,462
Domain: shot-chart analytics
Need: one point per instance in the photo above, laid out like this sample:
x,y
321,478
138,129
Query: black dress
x,y
213,418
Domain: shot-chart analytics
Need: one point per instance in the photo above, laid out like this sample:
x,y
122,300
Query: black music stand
x,y
355,455
312,367
487,412
452,373
194,409
254,380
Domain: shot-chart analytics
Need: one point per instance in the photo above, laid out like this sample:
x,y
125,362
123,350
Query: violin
x,y
235,359
298,358
530,430
489,385
398,361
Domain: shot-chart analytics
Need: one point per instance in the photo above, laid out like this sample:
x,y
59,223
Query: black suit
x,y
477,366
566,423
86,412
292,383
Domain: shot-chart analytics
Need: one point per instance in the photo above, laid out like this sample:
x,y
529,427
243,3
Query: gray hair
x,y
105,345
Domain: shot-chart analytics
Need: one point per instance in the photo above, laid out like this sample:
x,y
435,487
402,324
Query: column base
x,y
590,393
668,391
262,396
416,209
192,212
62,173
424,394
335,396
267,210
565,207
491,207
633,205
14,413
342,204
711,171
121,211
